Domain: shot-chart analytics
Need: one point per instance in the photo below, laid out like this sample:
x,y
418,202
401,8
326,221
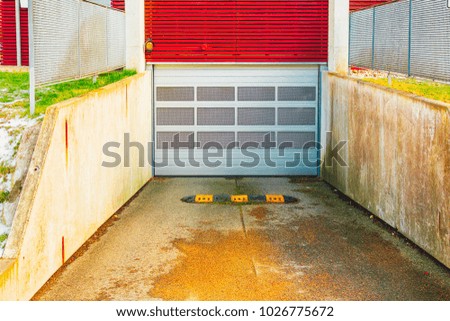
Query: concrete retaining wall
x,y
67,193
14,69
397,155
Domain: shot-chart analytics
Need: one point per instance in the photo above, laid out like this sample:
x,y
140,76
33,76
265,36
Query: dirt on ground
x,y
260,213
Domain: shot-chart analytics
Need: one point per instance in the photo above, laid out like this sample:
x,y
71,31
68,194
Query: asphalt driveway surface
x,y
321,248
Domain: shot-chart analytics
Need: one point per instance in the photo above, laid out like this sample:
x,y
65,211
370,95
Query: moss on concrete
x,y
428,89
3,237
4,195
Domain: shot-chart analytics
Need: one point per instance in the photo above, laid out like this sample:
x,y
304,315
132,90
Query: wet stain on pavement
x,y
221,266
350,262
260,213
308,258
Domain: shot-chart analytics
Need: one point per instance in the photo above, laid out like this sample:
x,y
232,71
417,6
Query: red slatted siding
x,y
8,33
1,33
360,4
8,24
24,35
237,31
119,4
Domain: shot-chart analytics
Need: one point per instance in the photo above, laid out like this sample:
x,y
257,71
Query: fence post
x,y
32,76
410,37
135,35
79,39
107,40
373,37
18,34
349,38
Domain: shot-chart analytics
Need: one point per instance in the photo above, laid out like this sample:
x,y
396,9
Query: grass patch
x,y
3,237
426,89
16,89
5,170
4,196
13,85
53,94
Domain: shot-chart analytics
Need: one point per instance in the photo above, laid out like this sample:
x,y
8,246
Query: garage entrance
x,y
219,120
236,85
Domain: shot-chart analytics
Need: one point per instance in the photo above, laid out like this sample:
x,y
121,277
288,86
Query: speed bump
x,y
204,198
274,198
239,199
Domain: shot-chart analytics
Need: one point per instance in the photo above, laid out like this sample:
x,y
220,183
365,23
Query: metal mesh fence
x,y
73,39
430,39
391,37
55,41
116,39
410,37
93,39
361,36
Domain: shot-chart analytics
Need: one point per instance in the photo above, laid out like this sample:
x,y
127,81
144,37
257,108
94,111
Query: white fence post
x,y
31,58
135,34
338,42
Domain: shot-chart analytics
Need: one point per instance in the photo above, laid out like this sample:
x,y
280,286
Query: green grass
x,y
5,170
13,85
3,237
17,86
428,89
4,196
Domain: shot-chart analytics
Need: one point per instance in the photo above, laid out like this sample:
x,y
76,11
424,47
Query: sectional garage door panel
x,y
236,120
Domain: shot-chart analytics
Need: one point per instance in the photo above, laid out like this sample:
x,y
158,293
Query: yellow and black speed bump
x,y
239,199
204,198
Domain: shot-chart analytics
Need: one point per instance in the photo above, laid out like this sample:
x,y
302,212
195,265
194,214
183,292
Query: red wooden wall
x,y
354,4
24,35
237,31
360,4
118,4
8,54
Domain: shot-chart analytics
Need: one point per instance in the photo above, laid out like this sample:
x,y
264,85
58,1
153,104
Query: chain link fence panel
x,y
409,36
391,42
73,39
361,36
430,39
116,39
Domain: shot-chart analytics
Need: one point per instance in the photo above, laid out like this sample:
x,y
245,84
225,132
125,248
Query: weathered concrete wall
x,y
397,155
67,193
23,160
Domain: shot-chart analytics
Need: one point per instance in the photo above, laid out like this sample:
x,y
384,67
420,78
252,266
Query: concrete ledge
x,y
67,194
13,69
430,102
397,156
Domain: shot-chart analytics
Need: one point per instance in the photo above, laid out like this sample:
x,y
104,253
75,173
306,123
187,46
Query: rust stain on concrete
x,y
260,213
220,266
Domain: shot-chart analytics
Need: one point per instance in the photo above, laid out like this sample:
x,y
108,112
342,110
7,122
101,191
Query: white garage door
x,y
236,120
